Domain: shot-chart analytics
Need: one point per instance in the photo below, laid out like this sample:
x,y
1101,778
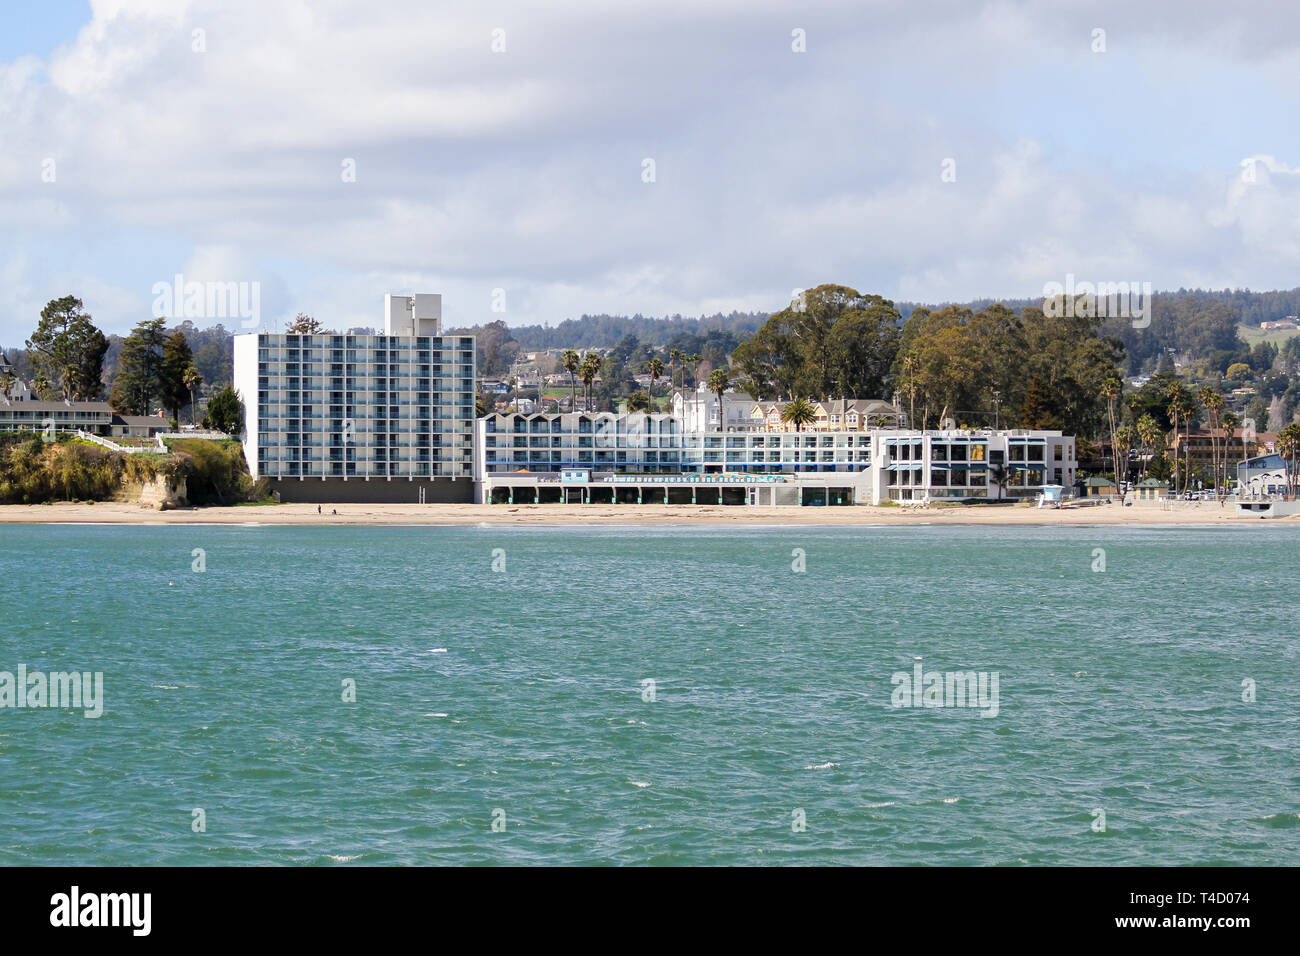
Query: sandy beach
x,y
1189,513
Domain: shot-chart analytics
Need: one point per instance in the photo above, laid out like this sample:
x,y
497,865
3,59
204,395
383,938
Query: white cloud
x,y
521,169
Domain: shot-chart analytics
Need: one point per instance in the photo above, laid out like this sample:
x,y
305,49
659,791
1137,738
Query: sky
x,y
534,162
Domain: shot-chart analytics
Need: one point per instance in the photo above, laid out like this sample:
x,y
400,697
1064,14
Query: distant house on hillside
x,y
849,415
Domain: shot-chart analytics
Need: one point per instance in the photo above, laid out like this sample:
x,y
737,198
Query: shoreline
x,y
461,515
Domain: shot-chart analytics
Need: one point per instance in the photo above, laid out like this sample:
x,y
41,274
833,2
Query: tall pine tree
x,y
68,350
138,381
1039,409
173,388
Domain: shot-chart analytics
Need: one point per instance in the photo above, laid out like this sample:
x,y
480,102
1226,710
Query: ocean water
x,y
518,696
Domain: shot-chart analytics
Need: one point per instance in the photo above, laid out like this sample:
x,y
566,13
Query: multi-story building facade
x,y
1206,448
362,417
875,466
653,444
971,464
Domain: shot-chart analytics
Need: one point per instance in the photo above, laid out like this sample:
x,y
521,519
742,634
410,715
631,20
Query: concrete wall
x,y
374,491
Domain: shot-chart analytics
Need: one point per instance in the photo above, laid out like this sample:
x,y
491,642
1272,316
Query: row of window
x,y
351,469
365,341
775,458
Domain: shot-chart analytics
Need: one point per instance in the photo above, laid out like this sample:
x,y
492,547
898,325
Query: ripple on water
x,y
225,694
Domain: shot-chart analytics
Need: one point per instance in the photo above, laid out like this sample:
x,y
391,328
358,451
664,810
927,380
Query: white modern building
x,y
385,417
647,457
1264,476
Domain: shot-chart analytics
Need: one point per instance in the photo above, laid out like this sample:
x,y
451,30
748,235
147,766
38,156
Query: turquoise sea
x,y
518,696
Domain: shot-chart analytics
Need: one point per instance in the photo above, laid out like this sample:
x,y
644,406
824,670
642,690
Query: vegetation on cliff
x,y
36,471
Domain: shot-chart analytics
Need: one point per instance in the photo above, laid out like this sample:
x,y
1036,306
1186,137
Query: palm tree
x,y
799,412
41,385
695,368
192,380
1216,403
1229,423
1148,432
1191,408
588,371
1000,477
656,369
1288,444
7,382
719,381
1112,389
674,356
1204,398
570,362
1124,436
909,386
1179,407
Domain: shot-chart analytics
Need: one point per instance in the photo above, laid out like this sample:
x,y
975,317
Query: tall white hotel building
x,y
383,418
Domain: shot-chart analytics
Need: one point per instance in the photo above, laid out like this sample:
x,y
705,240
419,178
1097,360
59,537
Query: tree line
x,y
67,357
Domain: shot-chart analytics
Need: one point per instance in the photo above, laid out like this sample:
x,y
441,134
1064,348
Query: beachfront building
x,y
639,443
1262,477
1151,489
385,417
1206,447
647,457
96,418
1097,486
969,464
